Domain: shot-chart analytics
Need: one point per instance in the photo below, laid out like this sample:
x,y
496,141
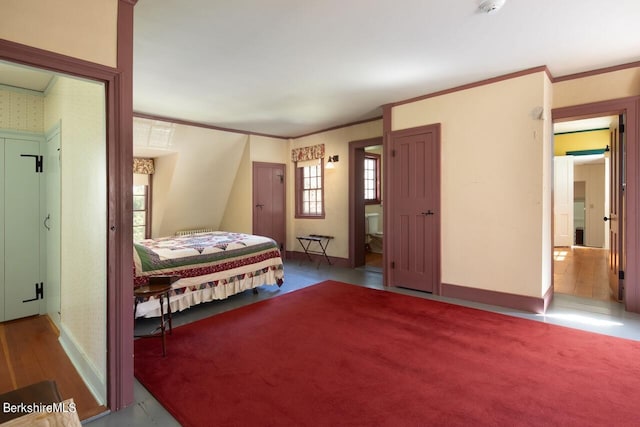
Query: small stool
x,y
159,286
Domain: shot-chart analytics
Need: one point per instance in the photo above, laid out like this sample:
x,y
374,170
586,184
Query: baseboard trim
x,y
317,259
502,299
94,381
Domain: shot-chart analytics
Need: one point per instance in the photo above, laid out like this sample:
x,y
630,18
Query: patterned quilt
x,y
204,255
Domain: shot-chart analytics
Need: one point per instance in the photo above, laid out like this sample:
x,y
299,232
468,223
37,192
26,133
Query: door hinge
x,y
393,264
621,127
39,161
621,274
393,153
39,293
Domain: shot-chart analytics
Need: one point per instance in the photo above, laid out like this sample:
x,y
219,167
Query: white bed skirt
x,y
182,301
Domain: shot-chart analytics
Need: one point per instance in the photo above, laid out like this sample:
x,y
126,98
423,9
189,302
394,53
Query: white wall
x,y
80,107
496,188
238,214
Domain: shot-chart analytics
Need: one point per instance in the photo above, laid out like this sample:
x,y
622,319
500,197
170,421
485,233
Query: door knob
x,y
428,212
606,219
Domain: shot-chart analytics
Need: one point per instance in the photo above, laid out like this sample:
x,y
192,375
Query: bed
x,y
211,266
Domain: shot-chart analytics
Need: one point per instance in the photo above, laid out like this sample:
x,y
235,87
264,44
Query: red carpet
x,y
335,354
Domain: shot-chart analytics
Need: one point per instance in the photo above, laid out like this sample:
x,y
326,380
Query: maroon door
x,y
269,201
415,208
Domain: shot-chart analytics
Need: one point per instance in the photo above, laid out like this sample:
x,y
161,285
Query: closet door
x,y
22,283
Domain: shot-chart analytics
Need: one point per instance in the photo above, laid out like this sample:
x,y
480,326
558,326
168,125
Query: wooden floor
x,y
582,272
373,259
30,352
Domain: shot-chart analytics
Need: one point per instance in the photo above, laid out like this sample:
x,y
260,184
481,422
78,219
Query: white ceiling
x,y
290,67
24,77
584,124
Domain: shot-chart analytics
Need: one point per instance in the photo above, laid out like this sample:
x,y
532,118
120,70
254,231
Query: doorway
x,y
366,204
414,208
269,201
70,229
581,201
596,269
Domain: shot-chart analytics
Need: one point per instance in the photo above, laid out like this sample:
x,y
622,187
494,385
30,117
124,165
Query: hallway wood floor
x,y
373,259
30,352
582,271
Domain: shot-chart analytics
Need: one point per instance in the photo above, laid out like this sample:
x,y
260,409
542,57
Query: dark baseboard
x,y
502,299
483,296
317,259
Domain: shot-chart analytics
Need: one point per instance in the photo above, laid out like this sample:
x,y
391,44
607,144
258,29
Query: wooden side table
x,y
159,287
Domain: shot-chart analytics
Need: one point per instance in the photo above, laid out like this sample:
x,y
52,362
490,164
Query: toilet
x,y
373,234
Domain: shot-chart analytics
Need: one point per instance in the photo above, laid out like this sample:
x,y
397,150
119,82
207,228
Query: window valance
x,y
304,154
143,166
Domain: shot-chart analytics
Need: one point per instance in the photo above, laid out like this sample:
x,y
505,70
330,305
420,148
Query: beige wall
x,y
79,107
192,185
238,214
493,188
67,27
336,184
207,182
547,189
600,87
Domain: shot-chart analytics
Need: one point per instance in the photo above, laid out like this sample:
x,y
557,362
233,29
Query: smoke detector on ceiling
x,y
490,6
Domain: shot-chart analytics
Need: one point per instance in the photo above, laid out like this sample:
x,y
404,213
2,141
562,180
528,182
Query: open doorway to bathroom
x,y
365,204
373,206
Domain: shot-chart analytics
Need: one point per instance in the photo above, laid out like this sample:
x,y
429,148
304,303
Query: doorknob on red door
x,y
259,206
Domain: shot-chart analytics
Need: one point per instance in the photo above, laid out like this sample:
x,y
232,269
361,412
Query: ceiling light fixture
x,y
490,6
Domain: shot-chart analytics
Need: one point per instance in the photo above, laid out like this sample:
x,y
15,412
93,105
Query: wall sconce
x,y
331,162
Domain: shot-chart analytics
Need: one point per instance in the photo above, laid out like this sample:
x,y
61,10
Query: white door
x,y
51,215
22,283
563,200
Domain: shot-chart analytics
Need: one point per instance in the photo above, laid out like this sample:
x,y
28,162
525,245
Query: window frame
x,y
377,158
147,209
299,188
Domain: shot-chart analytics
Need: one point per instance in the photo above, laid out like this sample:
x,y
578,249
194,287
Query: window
x,y
309,190
371,179
141,223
